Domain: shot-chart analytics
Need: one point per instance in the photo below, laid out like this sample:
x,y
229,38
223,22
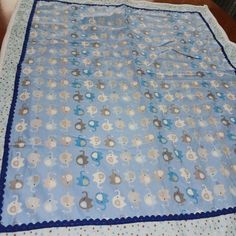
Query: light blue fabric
x,y
134,113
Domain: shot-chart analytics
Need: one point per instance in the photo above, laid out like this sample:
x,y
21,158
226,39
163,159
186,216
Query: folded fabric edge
x,y
220,34
224,224
10,55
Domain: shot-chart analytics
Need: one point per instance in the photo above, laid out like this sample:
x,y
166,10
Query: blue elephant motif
x,y
101,199
158,96
144,83
80,142
233,120
76,84
150,72
85,52
97,157
78,111
205,84
167,123
74,61
74,43
90,96
178,154
220,95
231,136
172,175
94,124
152,108
192,193
83,180
217,109
162,139
137,62
87,72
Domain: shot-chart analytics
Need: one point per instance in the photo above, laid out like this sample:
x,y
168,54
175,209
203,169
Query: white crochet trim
x,y
10,55
229,47
221,225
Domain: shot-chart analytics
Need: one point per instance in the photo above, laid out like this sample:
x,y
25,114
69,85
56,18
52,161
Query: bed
x,y
117,118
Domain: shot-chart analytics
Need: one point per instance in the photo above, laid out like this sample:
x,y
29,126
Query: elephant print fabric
x,y
119,112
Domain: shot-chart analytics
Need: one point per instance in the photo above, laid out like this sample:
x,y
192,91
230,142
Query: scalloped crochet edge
x,y
116,221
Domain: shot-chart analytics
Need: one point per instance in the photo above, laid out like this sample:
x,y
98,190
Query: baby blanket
x,y
115,113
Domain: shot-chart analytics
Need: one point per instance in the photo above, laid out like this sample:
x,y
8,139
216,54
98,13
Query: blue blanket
x,y
119,115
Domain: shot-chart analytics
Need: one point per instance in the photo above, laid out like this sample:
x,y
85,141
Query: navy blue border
x,y
78,222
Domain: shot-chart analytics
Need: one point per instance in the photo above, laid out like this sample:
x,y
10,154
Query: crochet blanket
x,y
120,113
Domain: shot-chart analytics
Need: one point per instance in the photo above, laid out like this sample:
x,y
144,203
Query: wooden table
x,y
227,22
